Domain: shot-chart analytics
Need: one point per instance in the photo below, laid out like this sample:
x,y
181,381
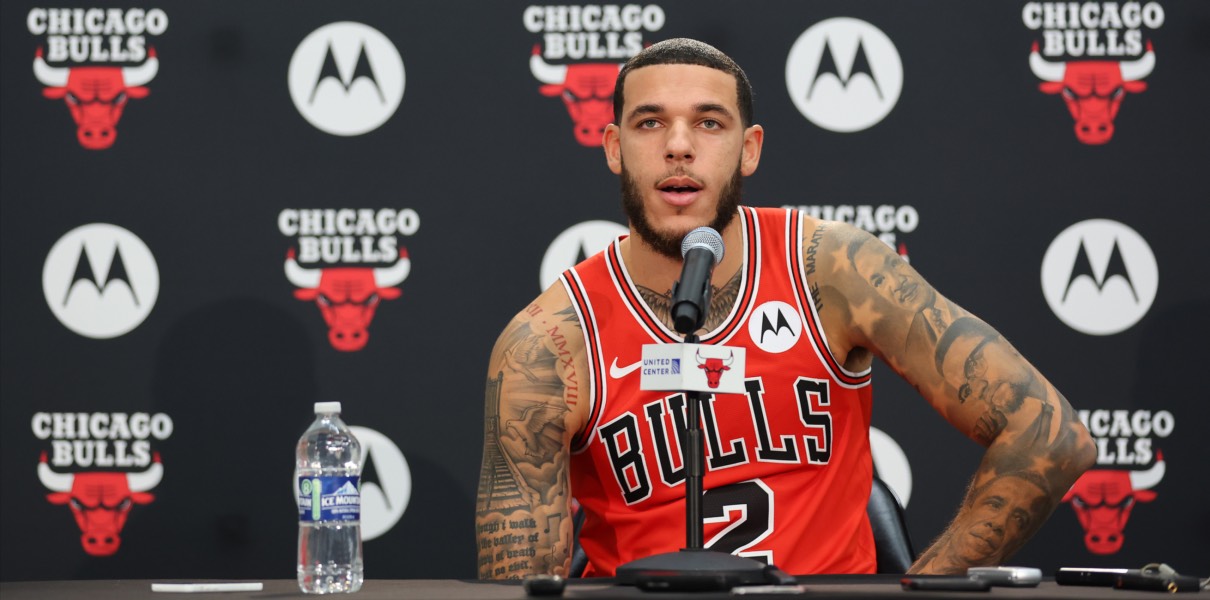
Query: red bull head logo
x,y
100,502
348,296
714,367
586,89
1092,89
1104,498
96,96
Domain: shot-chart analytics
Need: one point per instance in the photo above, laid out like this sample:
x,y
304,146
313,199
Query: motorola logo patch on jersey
x,y
844,74
386,482
346,78
775,327
575,244
1099,277
100,280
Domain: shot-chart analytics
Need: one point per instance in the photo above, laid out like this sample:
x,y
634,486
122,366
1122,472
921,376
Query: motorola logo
x,y
844,74
1099,277
891,464
100,280
575,244
346,78
774,327
386,482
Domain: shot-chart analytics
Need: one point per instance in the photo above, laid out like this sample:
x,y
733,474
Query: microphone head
x,y
703,237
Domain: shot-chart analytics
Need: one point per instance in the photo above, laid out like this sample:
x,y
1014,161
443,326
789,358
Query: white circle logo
x,y
891,464
100,280
774,327
574,245
844,74
386,482
1099,277
346,78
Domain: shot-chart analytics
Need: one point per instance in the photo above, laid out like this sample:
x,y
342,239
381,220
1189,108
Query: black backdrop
x,y
983,168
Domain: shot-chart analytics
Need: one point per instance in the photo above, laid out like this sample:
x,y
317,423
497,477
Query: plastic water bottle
x,y
327,481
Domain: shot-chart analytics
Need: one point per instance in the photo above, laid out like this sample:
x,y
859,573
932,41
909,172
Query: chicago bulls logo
x,y
587,92
1103,499
714,367
347,297
96,96
1092,89
100,501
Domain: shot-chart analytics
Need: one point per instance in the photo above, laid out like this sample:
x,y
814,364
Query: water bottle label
x,y
329,498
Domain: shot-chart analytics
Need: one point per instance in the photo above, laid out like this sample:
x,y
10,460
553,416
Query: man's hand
x,y
873,302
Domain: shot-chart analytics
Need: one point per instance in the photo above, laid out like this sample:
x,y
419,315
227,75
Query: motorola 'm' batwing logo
x,y
774,327
386,482
346,78
100,280
1099,277
844,74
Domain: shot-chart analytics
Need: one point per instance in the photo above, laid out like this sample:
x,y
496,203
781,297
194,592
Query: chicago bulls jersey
x,y
788,465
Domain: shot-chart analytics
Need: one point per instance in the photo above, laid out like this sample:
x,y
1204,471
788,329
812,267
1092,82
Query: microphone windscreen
x,y
703,237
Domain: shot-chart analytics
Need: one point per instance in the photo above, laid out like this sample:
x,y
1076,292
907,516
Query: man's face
x,y
1004,509
891,277
979,367
681,150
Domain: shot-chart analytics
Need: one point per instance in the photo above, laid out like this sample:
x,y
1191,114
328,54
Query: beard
x,y
668,242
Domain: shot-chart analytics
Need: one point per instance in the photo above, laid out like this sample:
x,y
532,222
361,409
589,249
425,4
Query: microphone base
x,y
692,569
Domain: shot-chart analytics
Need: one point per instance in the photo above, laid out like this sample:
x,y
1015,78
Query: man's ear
x,y
754,139
612,144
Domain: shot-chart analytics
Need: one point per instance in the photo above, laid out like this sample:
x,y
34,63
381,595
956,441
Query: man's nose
x,y
679,144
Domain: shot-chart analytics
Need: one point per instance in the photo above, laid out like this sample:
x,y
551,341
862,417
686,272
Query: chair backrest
x,y
891,539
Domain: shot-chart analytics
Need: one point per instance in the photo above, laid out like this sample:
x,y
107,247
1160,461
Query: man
x,y
788,466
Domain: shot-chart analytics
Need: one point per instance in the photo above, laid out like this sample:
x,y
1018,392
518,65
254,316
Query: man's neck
x,y
654,273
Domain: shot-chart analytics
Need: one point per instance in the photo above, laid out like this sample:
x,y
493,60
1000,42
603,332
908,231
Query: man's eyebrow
x,y
645,109
711,107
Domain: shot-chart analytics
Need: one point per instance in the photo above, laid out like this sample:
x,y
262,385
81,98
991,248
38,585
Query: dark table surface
x,y
851,586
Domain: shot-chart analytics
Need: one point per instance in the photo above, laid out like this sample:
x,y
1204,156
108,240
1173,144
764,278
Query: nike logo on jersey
x,y
620,372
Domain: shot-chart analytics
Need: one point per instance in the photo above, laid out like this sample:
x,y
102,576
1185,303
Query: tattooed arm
x,y
872,302
523,513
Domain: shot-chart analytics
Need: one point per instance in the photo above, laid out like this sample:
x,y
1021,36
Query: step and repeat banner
x,y
216,213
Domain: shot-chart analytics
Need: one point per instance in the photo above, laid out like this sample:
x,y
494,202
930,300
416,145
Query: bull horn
x,y
698,356
1145,480
144,73
546,73
1044,69
141,482
730,359
395,274
1134,70
47,75
55,482
299,276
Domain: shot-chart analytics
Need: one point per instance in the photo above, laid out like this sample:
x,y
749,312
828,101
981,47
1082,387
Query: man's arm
x,y
871,301
523,513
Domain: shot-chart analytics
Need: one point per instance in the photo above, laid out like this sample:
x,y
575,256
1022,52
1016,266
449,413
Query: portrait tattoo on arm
x,y
522,521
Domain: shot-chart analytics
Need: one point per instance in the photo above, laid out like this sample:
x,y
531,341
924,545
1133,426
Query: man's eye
x,y
711,124
876,281
649,123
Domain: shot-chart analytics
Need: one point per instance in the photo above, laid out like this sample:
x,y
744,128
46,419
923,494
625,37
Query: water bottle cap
x,y
323,408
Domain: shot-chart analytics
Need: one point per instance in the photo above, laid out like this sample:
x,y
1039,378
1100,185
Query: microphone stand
x,y
695,567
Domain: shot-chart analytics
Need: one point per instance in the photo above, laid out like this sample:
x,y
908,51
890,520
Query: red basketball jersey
x,y
788,466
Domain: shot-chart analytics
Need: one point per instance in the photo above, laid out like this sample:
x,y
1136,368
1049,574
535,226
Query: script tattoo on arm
x,y
722,299
523,521
1036,447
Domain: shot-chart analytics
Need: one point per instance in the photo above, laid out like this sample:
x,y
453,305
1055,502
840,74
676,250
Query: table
x,y
817,587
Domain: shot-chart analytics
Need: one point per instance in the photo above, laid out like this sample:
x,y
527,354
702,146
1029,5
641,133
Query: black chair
x,y
892,542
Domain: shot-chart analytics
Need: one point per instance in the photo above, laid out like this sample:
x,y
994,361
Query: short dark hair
x,y
685,51
961,327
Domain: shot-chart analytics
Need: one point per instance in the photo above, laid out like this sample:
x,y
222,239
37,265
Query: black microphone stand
x,y
695,567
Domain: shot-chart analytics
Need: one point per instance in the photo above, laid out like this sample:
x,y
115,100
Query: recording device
x,y
702,249
945,583
1007,576
1091,576
544,585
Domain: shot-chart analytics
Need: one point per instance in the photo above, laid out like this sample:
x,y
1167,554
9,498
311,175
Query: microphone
x,y
702,249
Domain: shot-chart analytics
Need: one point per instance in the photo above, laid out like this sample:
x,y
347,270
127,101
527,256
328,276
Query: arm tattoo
x,y
521,514
722,299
